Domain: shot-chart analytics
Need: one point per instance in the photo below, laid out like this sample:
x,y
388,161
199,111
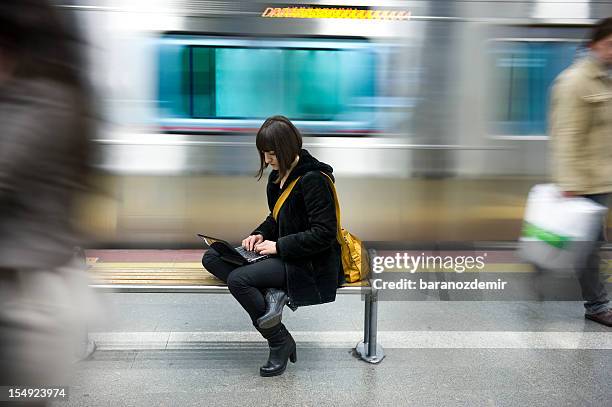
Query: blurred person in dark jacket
x,y
581,139
45,125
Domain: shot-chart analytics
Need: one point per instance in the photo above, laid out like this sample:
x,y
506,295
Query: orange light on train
x,y
340,13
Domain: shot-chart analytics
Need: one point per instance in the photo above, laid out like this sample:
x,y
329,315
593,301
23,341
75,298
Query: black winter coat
x,y
305,233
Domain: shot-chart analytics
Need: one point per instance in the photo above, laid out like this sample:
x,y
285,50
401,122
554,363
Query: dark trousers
x,y
593,290
247,283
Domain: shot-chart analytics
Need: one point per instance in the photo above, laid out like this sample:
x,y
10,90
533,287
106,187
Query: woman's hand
x,y
250,242
266,247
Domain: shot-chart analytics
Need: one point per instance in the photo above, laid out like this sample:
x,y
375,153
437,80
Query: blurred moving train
x,y
435,126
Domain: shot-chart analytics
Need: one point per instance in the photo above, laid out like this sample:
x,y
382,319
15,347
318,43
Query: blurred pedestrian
x,y
45,124
581,139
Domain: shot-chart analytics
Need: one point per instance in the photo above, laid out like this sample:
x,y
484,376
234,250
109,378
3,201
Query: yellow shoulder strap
x,y
282,198
337,203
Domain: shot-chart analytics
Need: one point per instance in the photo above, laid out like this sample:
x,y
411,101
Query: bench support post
x,y
369,349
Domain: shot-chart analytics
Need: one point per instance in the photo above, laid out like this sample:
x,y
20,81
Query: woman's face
x,y
270,159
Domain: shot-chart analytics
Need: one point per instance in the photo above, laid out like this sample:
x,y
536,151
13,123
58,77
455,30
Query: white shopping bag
x,y
557,230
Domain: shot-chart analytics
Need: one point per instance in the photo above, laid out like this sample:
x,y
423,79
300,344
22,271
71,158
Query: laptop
x,y
235,255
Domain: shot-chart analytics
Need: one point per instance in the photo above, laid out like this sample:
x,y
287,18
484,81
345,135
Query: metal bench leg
x,y
369,349
367,313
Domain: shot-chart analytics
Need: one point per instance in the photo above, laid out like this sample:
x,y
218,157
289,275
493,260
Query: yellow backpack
x,y
355,261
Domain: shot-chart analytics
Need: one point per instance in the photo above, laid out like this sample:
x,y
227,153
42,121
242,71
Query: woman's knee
x,y
210,258
214,265
238,279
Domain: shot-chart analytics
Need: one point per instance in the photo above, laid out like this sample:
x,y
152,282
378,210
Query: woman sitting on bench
x,y
304,267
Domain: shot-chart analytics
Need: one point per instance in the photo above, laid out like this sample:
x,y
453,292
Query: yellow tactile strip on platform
x,y
161,267
152,273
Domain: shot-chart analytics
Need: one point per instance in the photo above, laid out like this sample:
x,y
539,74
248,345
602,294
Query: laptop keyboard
x,y
247,254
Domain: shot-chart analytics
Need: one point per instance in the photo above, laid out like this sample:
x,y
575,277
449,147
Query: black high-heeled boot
x,y
282,348
275,302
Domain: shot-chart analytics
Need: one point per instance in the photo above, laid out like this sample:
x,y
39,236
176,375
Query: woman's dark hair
x,y
601,30
278,134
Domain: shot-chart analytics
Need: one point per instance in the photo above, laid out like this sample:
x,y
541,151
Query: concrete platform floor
x,y
200,350
331,377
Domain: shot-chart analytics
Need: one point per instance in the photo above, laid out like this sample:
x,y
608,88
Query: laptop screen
x,y
210,240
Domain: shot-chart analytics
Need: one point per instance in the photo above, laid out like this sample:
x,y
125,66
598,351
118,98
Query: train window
x,y
237,79
174,81
201,75
314,84
523,72
249,82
